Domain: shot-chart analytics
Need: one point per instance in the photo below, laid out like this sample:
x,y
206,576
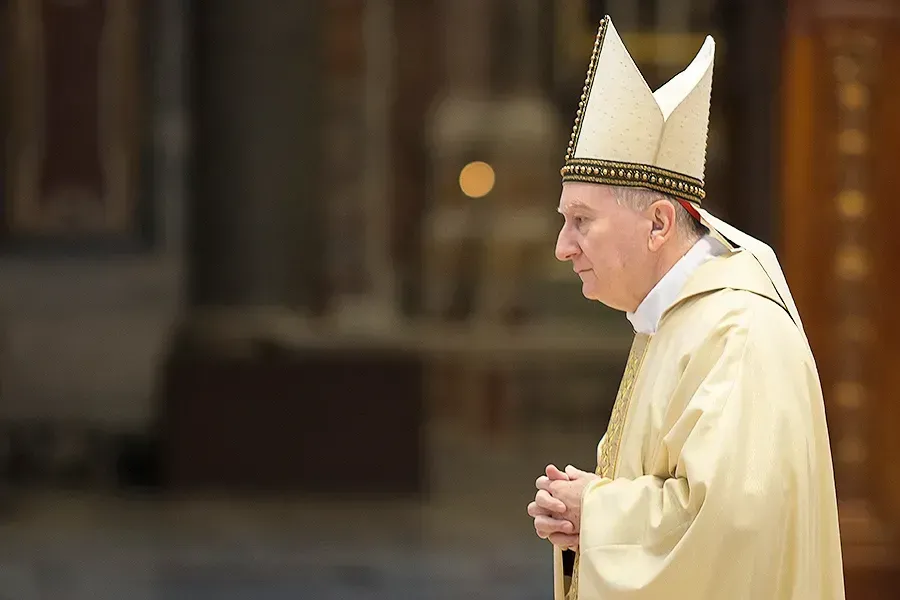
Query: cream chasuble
x,y
716,474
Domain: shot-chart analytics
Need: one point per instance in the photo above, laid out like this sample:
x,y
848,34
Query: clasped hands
x,y
557,505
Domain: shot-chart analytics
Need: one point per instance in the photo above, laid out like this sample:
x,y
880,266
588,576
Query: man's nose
x,y
566,249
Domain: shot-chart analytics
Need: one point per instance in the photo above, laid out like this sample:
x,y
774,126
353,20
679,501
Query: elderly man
x,y
714,479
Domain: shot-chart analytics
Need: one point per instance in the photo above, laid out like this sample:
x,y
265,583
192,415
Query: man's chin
x,y
590,292
593,295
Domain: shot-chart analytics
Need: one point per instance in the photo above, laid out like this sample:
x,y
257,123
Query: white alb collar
x,y
646,318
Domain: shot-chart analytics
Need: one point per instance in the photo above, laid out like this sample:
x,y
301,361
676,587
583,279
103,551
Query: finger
x,y
542,483
574,473
547,526
564,540
554,473
547,502
536,511
557,489
545,531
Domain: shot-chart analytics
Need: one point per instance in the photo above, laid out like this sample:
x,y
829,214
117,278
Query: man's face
x,y
606,244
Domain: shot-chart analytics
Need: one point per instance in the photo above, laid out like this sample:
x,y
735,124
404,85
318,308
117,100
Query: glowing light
x,y
476,180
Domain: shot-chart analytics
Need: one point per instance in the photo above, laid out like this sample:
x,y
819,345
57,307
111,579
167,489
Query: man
x,y
714,479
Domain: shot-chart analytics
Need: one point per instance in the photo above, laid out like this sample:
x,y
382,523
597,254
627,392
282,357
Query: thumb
x,y
574,473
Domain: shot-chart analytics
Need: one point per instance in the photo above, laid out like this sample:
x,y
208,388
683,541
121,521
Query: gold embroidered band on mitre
x,y
590,170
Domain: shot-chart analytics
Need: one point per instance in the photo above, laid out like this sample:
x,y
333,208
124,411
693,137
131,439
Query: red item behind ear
x,y
691,209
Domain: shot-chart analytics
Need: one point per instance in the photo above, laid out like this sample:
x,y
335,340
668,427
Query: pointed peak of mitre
x,y
625,134
694,80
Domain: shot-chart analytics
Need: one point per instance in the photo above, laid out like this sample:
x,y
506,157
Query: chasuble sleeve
x,y
719,507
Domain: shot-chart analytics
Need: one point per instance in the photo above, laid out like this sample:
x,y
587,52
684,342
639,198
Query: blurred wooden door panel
x,y
840,151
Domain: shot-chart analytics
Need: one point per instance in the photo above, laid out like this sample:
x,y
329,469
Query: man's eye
x,y
579,221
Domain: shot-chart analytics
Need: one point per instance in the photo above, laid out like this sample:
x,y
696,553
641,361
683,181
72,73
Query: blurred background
x,y
279,312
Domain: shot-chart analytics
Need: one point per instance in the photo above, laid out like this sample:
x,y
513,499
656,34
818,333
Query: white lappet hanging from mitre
x,y
627,135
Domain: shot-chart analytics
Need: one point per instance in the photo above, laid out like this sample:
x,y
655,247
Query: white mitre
x,y
627,135
624,134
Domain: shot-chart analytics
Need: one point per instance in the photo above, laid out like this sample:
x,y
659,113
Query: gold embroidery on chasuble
x,y
608,460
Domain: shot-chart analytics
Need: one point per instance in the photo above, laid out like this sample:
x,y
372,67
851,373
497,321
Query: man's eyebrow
x,y
573,205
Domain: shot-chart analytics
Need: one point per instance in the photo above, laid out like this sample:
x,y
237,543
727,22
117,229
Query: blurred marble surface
x,y
470,539
104,548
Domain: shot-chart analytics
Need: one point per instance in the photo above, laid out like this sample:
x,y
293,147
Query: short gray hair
x,y
638,198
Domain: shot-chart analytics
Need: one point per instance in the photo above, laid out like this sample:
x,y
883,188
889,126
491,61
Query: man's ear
x,y
662,218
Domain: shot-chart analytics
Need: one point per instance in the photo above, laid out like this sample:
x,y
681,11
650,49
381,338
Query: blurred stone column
x,y
253,400
253,252
358,93
255,205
